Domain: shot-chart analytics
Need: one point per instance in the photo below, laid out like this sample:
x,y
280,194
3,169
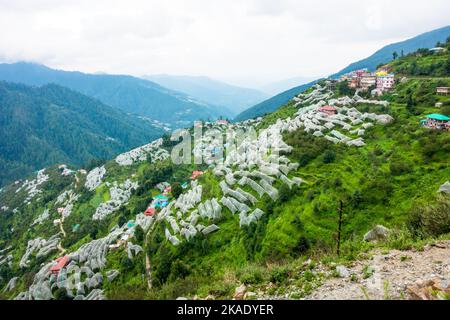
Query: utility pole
x,y
341,209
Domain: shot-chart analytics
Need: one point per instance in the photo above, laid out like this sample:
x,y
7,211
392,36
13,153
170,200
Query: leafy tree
x,y
61,294
126,263
178,270
329,156
122,220
394,55
344,89
410,103
139,234
285,193
93,163
94,232
177,190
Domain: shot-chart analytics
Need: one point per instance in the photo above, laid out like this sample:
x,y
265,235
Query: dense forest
x,y
51,124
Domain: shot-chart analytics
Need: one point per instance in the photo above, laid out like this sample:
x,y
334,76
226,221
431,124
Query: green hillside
x,y
382,56
424,63
391,179
385,55
272,104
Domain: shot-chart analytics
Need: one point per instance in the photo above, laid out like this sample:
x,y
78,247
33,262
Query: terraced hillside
x,y
253,225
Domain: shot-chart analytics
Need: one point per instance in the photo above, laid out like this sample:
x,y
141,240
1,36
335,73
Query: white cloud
x,y
249,41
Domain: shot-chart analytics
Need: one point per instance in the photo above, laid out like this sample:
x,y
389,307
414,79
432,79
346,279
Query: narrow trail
x,y
148,270
147,258
61,228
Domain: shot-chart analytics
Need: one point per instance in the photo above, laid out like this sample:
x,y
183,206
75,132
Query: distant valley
x,y
127,93
225,96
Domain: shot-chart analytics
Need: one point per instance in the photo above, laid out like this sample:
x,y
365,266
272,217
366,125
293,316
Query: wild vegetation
x,y
392,181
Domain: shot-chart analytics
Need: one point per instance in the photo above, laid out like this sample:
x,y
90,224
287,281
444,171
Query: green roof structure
x,y
437,116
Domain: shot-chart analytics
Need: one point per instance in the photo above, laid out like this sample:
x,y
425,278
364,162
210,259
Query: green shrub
x,y
430,220
303,245
329,156
251,274
61,294
399,168
122,220
177,190
139,234
126,263
178,270
279,274
400,240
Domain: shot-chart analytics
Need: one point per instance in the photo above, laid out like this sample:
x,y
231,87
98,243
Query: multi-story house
x,y
386,82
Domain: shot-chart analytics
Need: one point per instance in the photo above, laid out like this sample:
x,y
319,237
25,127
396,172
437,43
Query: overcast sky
x,y
247,42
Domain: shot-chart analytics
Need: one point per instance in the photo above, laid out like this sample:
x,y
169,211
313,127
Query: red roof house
x,y
150,212
329,110
223,122
60,263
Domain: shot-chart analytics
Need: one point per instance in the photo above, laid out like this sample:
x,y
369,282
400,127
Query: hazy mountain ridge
x,y
385,54
277,87
211,91
130,94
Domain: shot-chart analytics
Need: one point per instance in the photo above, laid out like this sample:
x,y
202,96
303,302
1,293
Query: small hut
x,y
437,121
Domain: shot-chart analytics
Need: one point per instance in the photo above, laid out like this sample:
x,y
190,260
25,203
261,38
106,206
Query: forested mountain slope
x,y
130,94
50,125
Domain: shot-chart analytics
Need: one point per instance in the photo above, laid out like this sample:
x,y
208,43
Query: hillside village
x,y
182,216
153,219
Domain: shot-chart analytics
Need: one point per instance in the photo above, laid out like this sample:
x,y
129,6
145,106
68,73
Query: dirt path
x,y
148,270
61,229
61,249
391,275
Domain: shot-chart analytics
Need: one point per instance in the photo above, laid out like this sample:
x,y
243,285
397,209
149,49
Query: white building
x,y
385,83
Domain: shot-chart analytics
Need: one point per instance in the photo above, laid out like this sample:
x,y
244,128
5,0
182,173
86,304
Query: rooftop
x,y
437,116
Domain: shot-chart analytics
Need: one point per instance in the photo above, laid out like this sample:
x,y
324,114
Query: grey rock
x,y
445,188
342,271
378,233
